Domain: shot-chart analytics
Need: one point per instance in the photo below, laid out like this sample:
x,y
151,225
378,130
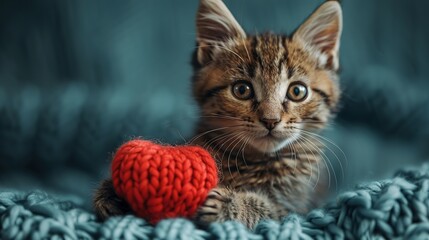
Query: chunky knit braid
x,y
397,207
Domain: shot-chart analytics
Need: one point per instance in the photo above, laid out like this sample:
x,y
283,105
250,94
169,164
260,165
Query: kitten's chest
x,y
287,181
267,171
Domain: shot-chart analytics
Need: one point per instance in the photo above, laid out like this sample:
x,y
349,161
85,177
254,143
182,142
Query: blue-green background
x,y
78,78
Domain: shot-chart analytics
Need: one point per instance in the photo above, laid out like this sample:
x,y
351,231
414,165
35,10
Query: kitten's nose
x,y
270,124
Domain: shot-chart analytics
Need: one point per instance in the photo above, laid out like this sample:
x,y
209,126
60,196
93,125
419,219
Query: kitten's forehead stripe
x,y
270,56
290,70
284,56
255,53
251,70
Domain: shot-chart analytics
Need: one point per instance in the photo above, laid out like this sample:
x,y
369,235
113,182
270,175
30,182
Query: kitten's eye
x,y
242,90
297,92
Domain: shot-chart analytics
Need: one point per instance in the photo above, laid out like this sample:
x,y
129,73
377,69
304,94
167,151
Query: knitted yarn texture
x,y
392,208
163,181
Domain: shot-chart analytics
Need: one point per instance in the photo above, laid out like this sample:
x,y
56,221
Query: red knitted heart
x,y
163,181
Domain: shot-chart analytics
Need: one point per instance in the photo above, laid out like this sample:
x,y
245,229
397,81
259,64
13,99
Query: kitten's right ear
x,y
215,26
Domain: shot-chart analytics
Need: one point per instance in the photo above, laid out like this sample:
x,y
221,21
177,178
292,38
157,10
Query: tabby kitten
x,y
261,97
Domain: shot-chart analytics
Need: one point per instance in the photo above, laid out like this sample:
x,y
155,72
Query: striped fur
x,y
265,176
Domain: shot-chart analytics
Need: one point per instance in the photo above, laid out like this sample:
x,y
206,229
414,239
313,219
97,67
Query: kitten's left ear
x,y
321,32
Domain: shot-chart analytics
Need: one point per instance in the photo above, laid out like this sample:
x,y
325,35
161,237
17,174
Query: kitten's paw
x,y
214,209
107,203
104,210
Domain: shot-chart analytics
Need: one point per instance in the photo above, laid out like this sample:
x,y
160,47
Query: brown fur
x,y
264,174
267,184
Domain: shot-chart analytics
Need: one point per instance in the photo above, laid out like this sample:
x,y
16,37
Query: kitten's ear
x,y
321,32
215,26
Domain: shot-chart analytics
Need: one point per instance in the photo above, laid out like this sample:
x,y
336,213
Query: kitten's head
x,y
266,89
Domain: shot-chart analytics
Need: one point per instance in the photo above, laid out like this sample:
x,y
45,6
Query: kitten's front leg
x,y
248,208
107,203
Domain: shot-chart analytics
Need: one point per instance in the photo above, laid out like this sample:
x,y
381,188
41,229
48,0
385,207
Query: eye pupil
x,y
296,91
242,89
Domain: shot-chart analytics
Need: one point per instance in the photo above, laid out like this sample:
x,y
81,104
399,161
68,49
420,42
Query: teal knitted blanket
x,y
392,208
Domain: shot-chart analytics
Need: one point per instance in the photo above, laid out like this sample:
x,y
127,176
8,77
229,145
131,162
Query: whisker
x,y
328,140
210,131
312,153
326,161
244,149
303,122
294,151
232,149
317,150
241,149
292,155
323,160
236,136
217,138
181,136
316,136
219,148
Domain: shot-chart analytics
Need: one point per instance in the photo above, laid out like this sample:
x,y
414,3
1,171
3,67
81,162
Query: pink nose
x,y
270,124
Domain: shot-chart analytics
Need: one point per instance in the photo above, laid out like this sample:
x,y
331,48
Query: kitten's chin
x,y
270,144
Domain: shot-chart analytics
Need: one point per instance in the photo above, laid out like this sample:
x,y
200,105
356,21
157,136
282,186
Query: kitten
x,y
261,97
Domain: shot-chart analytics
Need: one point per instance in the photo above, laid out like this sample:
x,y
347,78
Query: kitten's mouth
x,y
271,137
271,142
